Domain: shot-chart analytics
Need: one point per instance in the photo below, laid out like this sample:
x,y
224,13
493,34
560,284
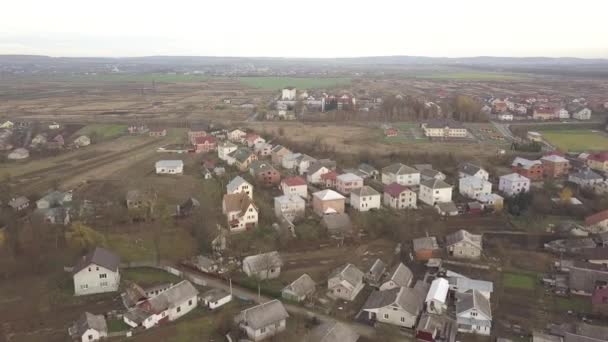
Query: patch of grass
x,y
148,276
174,244
115,325
576,304
298,82
519,281
102,132
126,78
576,139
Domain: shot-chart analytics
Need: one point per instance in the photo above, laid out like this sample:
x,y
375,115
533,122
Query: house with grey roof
x,y
365,198
434,191
263,321
169,167
463,244
585,178
299,289
263,266
473,313
471,170
400,276
89,327
400,174
368,171
54,199
96,272
400,306
215,298
19,203
427,174
345,282
332,332
433,327
461,284
375,273
239,184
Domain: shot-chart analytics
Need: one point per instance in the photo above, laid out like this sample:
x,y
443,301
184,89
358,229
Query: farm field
x,y
467,76
124,78
102,131
298,82
577,139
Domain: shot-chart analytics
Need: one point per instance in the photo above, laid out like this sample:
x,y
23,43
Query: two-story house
x,y
224,149
473,313
295,186
472,170
291,207
400,174
96,272
241,213
345,282
474,187
555,166
532,169
365,198
435,191
327,202
513,184
399,196
238,185
347,182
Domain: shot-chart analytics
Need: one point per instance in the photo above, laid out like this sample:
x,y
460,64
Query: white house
x,y
291,207
54,125
303,163
290,161
237,135
263,266
263,321
435,191
461,284
444,129
169,305
295,186
315,172
463,244
400,174
585,178
169,167
224,149
346,282
238,185
400,276
436,298
347,182
514,183
505,117
7,125
471,170
288,94
365,198
399,196
241,213
89,328
473,313
96,272
215,298
582,114
562,113
400,306
473,187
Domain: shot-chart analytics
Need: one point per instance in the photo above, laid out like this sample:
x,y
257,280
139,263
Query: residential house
x,y
473,313
205,144
263,150
428,174
391,132
253,139
136,199
196,131
435,191
236,135
295,186
339,226
291,207
290,161
346,282
300,289
597,223
54,126
399,196
243,157
327,202
347,182
138,129
535,136
532,169
96,272
400,174
400,306
474,187
215,298
157,132
425,248
375,273
365,198
505,117
400,276
436,298
585,178
368,171
544,113
444,129
493,201
555,166
238,185
462,284
169,167
463,244
167,306
303,163
471,170
241,213
329,180
598,161
333,331
54,199
224,150
436,328
263,266
89,327
7,125
19,203
263,321
584,277
582,114
318,168
278,153
264,173
513,184
56,143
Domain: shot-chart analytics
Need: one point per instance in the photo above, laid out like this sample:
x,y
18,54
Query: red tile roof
x,y
294,181
599,156
596,218
329,175
395,189
204,140
600,297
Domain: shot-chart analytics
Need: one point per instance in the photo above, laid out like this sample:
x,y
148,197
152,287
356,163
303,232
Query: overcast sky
x,y
312,28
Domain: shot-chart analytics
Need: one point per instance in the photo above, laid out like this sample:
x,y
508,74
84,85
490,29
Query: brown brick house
x,y
555,166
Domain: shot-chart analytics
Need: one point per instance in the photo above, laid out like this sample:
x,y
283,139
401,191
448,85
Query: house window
x,y
103,276
103,283
402,319
84,286
89,269
90,337
190,302
179,309
97,268
263,330
385,316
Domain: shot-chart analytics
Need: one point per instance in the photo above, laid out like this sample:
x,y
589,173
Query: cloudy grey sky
x,y
312,28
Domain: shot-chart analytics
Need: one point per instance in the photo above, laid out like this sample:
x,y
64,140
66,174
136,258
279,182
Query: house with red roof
x,y
391,132
598,161
598,222
329,179
295,186
399,196
253,139
205,144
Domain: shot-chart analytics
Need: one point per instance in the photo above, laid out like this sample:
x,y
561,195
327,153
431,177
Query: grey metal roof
x,y
464,236
235,183
214,295
302,286
401,275
101,257
586,174
89,321
425,243
469,169
261,262
399,169
18,202
473,299
435,184
349,273
263,315
366,190
407,298
377,269
173,296
465,284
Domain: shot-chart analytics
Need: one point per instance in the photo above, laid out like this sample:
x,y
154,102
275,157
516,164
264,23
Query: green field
x,y
124,78
102,132
577,304
576,140
298,82
466,76
148,276
518,281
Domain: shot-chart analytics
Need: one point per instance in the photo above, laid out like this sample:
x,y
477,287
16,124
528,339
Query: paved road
x,y
361,329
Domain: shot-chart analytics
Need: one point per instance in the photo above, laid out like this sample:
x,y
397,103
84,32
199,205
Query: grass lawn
x,y
115,325
518,281
148,276
576,139
576,304
175,244
467,76
298,82
102,132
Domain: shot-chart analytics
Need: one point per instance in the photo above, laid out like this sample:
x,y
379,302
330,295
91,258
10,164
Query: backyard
x,y
576,140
